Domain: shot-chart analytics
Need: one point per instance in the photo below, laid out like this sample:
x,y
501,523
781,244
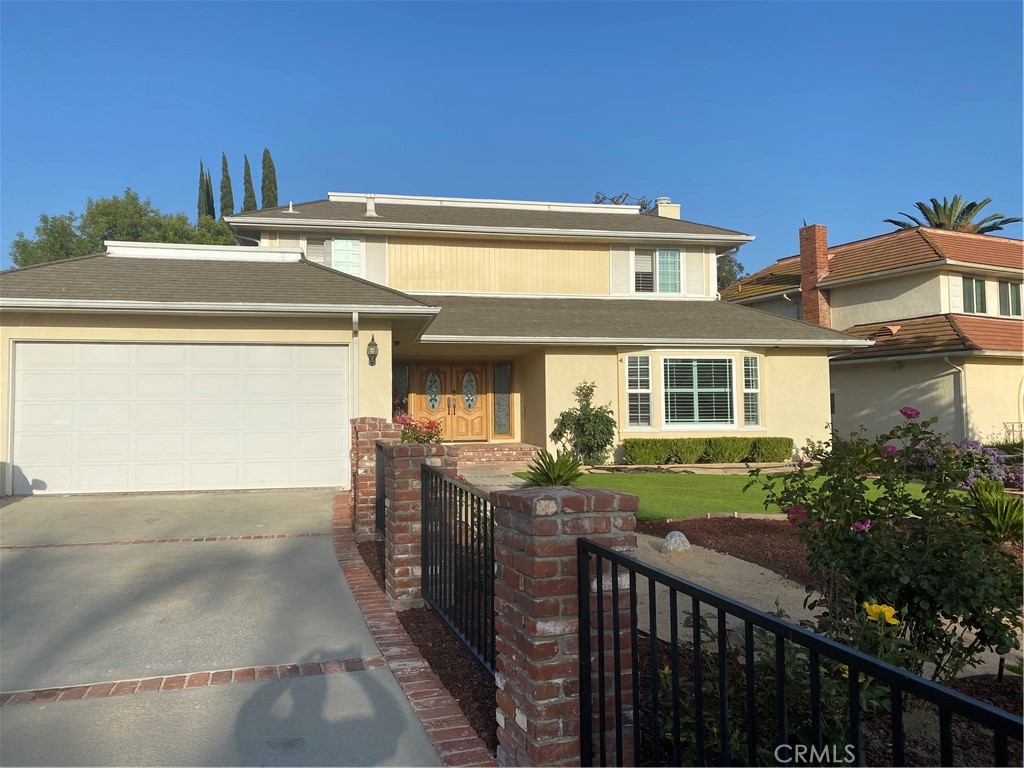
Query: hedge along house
x,y
157,367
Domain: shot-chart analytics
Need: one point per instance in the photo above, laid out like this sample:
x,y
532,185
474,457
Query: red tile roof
x,y
938,334
894,250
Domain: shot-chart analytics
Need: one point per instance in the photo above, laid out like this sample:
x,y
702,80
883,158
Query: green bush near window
x,y
727,450
653,451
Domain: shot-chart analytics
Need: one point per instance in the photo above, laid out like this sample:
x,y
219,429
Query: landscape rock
x,y
676,541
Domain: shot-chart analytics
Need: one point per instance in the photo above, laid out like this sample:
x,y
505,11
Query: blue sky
x,y
754,116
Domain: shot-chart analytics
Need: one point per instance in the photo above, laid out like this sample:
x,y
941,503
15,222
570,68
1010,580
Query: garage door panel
x,y
129,417
104,446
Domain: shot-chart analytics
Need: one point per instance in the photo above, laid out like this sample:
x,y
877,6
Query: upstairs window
x,y
638,387
345,256
974,296
698,391
666,270
1009,299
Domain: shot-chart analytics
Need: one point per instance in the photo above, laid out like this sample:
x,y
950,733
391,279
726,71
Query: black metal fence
x,y
458,560
716,682
379,490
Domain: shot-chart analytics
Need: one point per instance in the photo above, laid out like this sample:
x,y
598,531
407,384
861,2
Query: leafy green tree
x,y
587,431
128,217
209,195
729,270
227,197
248,195
954,214
268,190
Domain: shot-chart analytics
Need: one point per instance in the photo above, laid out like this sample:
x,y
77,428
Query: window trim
x,y
752,391
978,289
362,255
649,391
700,426
684,253
1012,290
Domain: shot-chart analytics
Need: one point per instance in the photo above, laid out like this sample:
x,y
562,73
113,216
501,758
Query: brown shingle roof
x,y
939,334
894,250
109,278
441,216
618,320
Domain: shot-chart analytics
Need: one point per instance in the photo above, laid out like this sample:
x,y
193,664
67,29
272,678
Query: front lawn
x,y
665,495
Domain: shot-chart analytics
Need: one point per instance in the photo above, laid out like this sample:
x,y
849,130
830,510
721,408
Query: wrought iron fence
x,y
378,500
717,682
458,560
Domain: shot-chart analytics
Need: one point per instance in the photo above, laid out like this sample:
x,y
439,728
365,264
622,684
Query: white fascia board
x,y
181,251
397,227
469,202
929,356
986,268
211,307
966,266
620,341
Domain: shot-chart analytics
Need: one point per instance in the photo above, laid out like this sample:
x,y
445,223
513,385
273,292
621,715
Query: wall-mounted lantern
x,y
372,350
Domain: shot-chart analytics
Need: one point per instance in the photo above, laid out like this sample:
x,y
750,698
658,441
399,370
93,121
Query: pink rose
x,y
796,515
910,413
862,526
889,450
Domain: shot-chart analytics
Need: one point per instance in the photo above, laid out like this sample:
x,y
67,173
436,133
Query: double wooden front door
x,y
454,395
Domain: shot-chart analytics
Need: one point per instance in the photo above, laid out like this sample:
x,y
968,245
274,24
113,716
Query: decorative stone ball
x,y
676,541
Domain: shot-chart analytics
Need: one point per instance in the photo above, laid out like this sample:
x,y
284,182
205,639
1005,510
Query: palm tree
x,y
955,214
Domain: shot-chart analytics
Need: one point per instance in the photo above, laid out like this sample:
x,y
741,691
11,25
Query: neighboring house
x,y
190,367
944,311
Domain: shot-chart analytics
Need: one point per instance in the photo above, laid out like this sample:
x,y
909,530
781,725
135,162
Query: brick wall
x,y
366,431
537,616
814,303
402,516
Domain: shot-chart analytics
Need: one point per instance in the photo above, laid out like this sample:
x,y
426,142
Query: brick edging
x,y
183,540
188,680
454,739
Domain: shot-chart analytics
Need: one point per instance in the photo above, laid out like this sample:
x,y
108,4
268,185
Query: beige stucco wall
x,y
497,266
994,390
890,299
794,392
374,382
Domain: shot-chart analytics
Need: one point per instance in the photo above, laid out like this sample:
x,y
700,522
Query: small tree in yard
x,y
587,431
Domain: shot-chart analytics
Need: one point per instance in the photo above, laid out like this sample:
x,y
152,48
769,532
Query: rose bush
x,y
418,430
905,546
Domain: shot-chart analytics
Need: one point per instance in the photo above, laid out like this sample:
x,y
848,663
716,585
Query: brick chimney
x,y
813,266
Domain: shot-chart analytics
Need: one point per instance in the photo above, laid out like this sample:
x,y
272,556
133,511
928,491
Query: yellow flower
x,y
885,612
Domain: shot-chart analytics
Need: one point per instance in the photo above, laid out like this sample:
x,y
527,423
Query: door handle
x,y
449,406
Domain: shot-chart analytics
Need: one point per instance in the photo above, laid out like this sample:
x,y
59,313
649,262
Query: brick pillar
x,y
815,307
366,431
402,516
537,618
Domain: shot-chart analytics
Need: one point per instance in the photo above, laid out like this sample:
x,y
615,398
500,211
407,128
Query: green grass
x,y
665,495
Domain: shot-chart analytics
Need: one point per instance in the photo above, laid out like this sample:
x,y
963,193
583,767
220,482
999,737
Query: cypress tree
x,y
269,186
227,197
209,196
249,196
201,202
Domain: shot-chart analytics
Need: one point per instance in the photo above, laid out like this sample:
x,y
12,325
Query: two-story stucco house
x,y
944,311
155,367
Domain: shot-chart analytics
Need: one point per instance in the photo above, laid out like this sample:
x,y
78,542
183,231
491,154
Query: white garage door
x,y
153,417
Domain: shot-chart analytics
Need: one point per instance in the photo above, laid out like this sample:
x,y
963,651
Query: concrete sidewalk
x,y
249,651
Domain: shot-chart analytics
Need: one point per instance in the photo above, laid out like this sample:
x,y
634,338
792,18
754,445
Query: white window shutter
x,y
956,293
695,275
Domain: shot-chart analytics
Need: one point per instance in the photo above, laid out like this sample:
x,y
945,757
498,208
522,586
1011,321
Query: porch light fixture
x,y
372,350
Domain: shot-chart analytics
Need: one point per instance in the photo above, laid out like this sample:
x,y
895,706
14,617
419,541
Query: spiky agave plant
x,y
547,471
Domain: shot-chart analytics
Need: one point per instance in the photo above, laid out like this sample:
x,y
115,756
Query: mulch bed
x,y
470,684
772,544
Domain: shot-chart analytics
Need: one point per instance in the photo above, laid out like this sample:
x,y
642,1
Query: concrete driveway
x,y
189,629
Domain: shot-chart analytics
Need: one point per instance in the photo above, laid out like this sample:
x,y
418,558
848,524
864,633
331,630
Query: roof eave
x,y
644,342
201,307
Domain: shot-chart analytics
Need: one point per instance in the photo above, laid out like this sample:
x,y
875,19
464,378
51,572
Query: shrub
x,y
727,450
771,449
973,460
645,451
546,470
995,512
418,430
588,431
958,593
687,450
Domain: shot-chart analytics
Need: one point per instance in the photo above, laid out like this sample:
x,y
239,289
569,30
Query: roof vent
x,y
371,209
290,209
887,331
